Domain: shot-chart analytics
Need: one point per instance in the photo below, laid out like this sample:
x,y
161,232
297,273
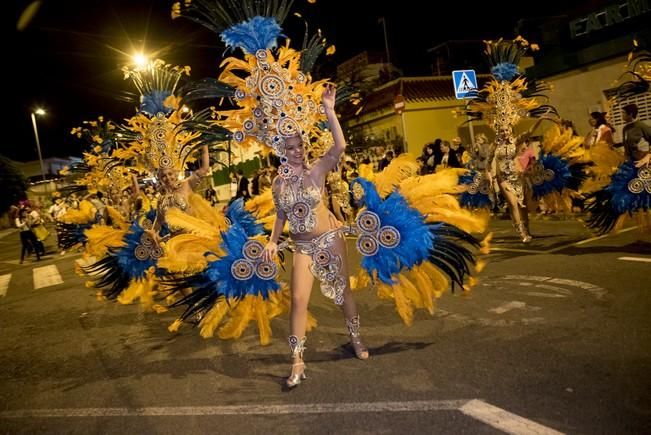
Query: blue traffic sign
x,y
465,83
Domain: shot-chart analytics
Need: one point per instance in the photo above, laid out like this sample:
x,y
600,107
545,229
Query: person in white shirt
x,y
27,237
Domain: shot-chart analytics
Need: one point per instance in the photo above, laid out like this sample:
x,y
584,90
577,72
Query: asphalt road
x,y
555,338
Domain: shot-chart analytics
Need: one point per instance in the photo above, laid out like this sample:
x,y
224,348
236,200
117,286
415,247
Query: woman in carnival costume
x,y
161,138
411,251
504,102
100,172
628,191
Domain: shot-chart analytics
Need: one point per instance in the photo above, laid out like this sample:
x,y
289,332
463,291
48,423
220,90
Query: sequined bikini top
x,y
169,200
299,203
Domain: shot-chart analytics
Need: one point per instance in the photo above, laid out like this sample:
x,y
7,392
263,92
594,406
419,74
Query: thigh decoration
x,y
327,264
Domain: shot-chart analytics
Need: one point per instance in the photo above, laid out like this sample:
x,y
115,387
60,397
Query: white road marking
x,y
46,276
545,295
477,409
595,290
559,290
251,409
640,259
508,306
562,247
592,239
4,284
504,420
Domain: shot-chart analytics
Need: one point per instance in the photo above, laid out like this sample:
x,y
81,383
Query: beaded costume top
x,y
299,203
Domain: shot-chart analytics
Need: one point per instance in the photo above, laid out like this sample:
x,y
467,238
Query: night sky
x,y
67,59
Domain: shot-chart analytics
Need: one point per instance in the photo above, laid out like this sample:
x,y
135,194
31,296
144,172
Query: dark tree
x,y
12,184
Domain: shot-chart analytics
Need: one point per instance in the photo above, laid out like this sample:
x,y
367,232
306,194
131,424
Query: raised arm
x,y
205,162
203,170
330,159
135,187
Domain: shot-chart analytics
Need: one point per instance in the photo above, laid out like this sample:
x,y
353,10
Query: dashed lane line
x,y
4,284
638,259
46,276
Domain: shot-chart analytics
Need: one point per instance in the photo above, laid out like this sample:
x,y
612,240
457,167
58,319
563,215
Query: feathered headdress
x,y
277,99
509,97
101,169
250,25
167,132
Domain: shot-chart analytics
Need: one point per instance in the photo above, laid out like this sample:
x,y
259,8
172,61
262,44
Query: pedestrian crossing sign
x,y
465,83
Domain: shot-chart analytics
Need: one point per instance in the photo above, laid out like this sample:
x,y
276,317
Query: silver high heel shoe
x,y
521,228
297,347
355,340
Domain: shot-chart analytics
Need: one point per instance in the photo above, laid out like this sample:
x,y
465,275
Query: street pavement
x,y
555,338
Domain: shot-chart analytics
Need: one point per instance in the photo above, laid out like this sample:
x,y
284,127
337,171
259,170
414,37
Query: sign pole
x,y
471,130
465,86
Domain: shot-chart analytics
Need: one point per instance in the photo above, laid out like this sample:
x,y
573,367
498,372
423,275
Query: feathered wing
x,y
263,208
101,238
434,196
401,168
128,272
629,192
477,191
557,176
201,209
185,253
235,288
605,161
179,220
410,257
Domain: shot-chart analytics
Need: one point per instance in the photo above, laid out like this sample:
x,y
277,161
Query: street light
x,y
39,112
140,60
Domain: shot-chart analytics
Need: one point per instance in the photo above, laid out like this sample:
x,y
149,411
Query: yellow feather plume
x,y
261,206
179,220
606,161
401,168
117,220
185,253
213,318
239,319
142,290
101,237
84,215
201,209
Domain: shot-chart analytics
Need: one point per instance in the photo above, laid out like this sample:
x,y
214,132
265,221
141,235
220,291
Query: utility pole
x,y
386,40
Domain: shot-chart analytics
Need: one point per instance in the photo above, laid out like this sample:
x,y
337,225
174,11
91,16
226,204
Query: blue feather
x,y
121,266
239,216
622,199
562,176
505,71
153,103
438,242
131,266
473,200
415,239
258,33
607,205
219,271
